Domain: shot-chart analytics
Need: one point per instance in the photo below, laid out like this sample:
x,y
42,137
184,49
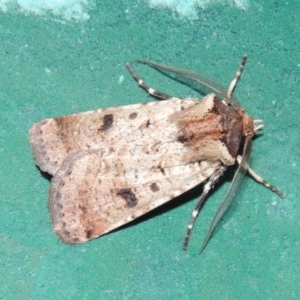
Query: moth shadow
x,y
45,174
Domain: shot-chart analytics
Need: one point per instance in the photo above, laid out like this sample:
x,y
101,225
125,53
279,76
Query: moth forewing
x,y
113,165
85,204
52,140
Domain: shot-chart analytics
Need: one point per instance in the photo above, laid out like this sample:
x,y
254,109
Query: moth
x,y
112,165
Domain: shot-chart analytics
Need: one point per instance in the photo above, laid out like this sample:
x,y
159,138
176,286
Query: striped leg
x,y
259,179
236,77
150,90
207,187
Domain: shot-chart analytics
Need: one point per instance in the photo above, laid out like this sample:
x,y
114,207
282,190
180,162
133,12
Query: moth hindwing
x,y
112,165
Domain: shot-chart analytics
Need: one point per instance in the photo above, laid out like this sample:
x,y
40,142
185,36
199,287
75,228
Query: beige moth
x,y
112,165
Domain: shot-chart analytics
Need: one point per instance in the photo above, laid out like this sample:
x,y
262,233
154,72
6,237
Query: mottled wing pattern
x,y
113,165
52,140
93,194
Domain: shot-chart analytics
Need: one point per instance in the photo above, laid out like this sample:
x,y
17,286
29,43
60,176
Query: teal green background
x,y
51,68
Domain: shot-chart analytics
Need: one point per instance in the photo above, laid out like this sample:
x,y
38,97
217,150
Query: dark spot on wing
x,y
66,233
145,124
162,170
129,197
83,209
89,233
182,139
107,122
154,187
133,115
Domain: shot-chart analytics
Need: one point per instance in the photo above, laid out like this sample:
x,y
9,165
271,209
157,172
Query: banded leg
x,y
259,179
236,77
150,90
207,187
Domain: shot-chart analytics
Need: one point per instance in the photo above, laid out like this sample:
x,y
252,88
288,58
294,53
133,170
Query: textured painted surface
x,y
51,69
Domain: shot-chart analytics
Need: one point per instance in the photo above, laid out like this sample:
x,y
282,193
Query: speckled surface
x,y
50,68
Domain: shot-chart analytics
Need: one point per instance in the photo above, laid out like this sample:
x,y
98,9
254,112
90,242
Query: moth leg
x,y
207,187
259,179
150,90
236,77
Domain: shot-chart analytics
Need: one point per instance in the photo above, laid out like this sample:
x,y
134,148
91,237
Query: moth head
x,y
248,124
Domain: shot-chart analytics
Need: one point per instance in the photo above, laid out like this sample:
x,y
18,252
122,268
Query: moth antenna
x,y
196,76
259,179
142,84
235,79
207,187
233,190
